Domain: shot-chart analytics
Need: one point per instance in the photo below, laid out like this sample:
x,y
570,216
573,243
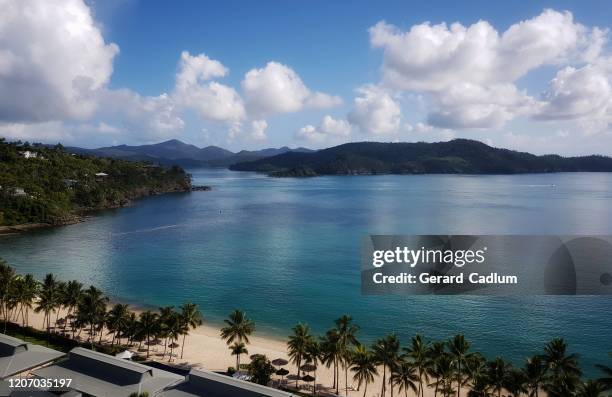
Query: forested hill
x,y
40,184
459,156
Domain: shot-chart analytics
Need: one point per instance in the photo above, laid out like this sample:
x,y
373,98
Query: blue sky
x,y
533,76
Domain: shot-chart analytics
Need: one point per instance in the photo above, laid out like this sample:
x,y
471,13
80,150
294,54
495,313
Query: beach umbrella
x,y
173,345
282,372
308,378
280,362
308,367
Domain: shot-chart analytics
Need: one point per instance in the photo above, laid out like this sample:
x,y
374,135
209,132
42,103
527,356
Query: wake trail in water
x,y
153,229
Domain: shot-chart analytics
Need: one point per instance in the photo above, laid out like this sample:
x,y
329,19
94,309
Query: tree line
x,y
88,310
448,367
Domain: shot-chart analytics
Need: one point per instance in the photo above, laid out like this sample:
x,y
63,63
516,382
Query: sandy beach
x,y
204,348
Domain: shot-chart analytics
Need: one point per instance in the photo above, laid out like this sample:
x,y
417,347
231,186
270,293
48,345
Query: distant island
x,y
43,185
459,156
175,152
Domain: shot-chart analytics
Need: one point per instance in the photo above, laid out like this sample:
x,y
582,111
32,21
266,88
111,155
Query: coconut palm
x,y
313,356
606,381
347,338
149,327
459,350
165,319
405,376
516,382
91,311
116,320
47,299
239,327
363,365
535,375
590,388
71,295
297,346
7,279
386,351
25,292
237,349
563,370
434,352
497,370
417,354
331,354
191,317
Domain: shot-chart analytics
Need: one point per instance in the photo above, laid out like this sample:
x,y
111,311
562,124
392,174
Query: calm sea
x,y
287,250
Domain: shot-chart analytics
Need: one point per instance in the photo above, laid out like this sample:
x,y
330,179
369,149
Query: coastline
x,y
81,215
205,349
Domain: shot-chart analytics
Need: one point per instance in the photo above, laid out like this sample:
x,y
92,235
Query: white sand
x,y
204,348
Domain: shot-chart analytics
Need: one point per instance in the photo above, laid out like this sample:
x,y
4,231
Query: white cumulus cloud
x,y
53,59
276,88
375,111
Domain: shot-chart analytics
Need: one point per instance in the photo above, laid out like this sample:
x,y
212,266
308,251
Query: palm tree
x,y
535,375
445,370
434,352
116,320
606,381
330,353
386,352
47,300
417,353
497,371
459,349
71,296
25,292
149,326
363,364
165,319
347,337
7,279
239,327
237,349
516,382
590,388
91,310
563,370
478,372
191,317
297,346
404,376
312,356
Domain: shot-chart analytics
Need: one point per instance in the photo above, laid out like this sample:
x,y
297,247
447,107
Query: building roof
x,y
211,384
17,356
102,375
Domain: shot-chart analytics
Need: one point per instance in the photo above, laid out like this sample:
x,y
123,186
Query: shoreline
x,y
82,215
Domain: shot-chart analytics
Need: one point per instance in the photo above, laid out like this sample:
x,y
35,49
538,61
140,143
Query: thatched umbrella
x,y
172,346
308,367
309,379
280,362
282,372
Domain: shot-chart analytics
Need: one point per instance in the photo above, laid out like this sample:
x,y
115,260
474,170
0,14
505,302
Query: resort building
x,y
101,375
17,356
211,384
28,154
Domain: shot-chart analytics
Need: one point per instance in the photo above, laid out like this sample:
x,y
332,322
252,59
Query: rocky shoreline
x,y
83,213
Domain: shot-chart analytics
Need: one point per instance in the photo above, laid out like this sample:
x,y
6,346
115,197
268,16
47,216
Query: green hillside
x,y
53,186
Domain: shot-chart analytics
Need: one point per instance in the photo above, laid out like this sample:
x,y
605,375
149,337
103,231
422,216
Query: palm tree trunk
x,y
365,390
183,345
346,379
382,390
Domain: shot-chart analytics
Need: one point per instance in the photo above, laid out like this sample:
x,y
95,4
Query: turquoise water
x,y
287,250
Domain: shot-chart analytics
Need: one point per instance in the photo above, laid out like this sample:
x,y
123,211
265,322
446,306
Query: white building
x,y
28,154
